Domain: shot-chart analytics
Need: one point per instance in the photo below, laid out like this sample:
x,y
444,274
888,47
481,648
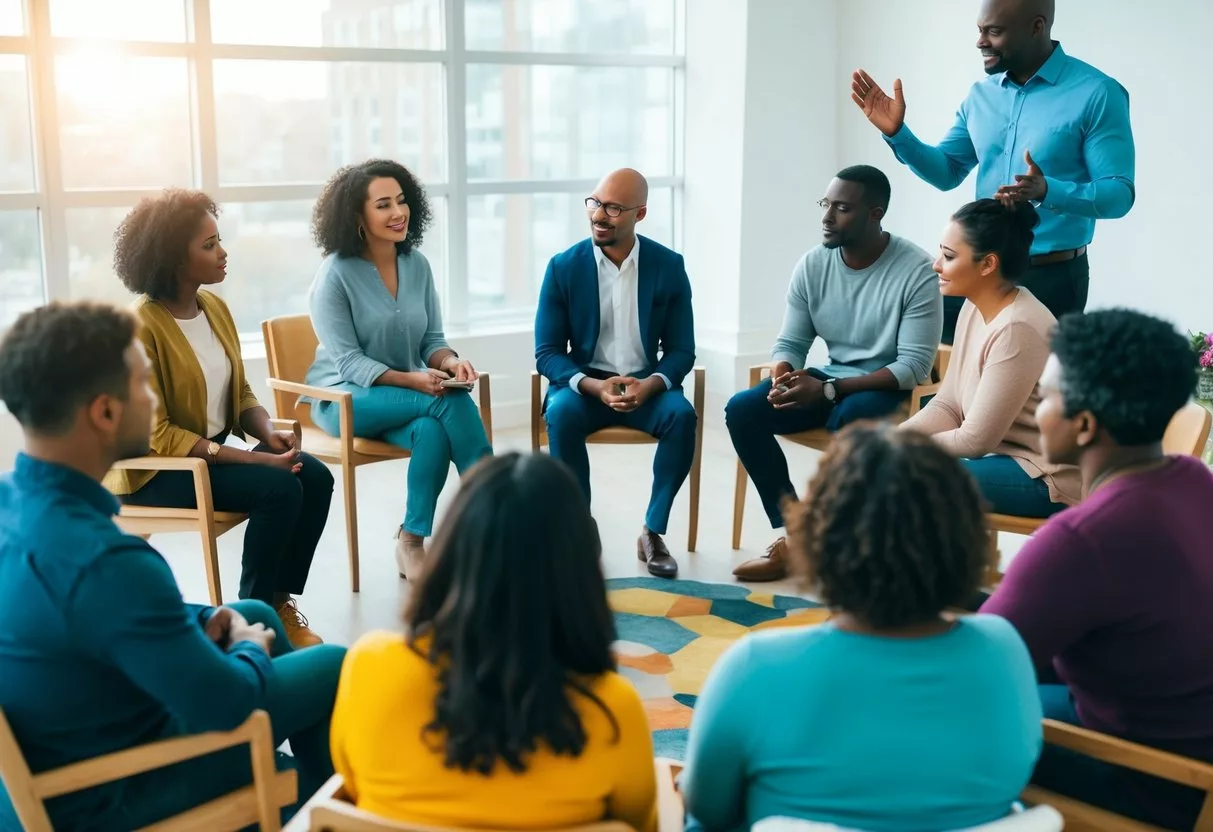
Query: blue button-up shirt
x,y
97,650
1073,119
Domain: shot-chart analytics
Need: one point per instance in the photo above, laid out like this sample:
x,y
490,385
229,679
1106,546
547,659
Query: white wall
x,y
1155,258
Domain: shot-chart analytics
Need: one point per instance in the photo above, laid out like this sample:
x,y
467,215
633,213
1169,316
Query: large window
x,y
509,111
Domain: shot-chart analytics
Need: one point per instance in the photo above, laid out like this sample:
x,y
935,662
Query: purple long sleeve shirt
x,y
1116,594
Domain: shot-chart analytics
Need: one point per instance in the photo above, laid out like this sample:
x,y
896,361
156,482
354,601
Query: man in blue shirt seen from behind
x,y
98,652
1042,127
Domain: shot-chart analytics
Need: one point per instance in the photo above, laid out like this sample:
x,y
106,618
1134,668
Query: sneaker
x,y
773,566
410,557
295,624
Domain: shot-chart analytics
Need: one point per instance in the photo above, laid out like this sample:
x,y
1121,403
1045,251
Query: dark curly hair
x,y
1133,372
892,530
511,608
990,227
57,358
335,219
152,242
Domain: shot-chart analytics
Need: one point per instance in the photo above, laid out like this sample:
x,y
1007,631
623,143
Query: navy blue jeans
x,y
1139,796
754,423
1008,489
668,416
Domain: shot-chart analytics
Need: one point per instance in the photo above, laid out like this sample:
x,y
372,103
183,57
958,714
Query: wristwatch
x,y
829,389
212,450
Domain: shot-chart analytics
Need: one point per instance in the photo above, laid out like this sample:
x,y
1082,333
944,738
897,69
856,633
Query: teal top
x,y
363,330
865,732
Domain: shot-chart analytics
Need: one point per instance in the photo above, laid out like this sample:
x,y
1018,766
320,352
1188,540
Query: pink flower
x,y
1209,339
1206,360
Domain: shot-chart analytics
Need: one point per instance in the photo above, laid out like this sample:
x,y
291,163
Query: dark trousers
x,y
286,515
299,700
1062,287
1139,796
1008,489
668,416
754,423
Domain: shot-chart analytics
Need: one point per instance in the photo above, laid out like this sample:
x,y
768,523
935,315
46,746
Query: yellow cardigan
x,y
180,417
391,767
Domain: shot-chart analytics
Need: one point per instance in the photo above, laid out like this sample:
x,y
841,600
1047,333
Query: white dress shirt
x,y
620,348
216,369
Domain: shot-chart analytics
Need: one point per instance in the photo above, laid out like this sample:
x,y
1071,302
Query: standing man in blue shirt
x,y
98,652
1067,121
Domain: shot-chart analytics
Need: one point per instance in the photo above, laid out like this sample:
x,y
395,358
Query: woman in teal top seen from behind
x,y
891,715
376,314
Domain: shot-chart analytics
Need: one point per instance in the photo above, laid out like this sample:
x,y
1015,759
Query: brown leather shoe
x,y
651,549
773,566
298,633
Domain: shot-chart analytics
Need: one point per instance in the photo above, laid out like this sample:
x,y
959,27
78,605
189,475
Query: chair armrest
x,y
161,463
921,392
486,405
1120,752
332,789
326,394
760,371
291,425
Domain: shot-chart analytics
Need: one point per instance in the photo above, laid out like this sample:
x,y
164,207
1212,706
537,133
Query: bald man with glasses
x,y
605,308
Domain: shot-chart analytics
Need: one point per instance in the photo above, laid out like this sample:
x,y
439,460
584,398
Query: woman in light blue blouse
x,y
891,715
376,314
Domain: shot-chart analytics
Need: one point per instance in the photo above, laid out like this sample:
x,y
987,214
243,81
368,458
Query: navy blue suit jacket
x,y
567,319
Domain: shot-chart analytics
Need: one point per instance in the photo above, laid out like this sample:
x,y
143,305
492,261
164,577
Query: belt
x,y
1057,256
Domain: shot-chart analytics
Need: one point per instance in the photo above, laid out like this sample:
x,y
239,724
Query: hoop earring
x,y
361,233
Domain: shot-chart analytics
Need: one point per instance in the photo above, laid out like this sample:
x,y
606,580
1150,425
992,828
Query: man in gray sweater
x,y
874,299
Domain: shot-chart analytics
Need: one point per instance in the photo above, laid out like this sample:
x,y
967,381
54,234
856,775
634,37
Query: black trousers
x,y
1062,287
287,513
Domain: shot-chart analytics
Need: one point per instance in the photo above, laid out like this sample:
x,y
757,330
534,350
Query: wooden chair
x,y
330,810
629,436
819,438
1186,435
1083,817
148,520
290,347
255,804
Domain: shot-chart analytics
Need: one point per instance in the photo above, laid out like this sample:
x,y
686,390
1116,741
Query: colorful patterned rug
x,y
672,632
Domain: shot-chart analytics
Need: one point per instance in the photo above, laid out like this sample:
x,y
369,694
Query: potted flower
x,y
1202,345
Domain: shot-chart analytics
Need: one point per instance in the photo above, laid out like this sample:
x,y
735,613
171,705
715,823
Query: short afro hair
x,y
57,358
152,242
876,187
338,212
1133,372
892,530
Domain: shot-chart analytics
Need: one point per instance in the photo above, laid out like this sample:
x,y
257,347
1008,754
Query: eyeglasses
x,y
612,209
823,203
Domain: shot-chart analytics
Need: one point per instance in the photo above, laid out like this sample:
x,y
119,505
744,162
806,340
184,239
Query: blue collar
x,y
1049,71
50,476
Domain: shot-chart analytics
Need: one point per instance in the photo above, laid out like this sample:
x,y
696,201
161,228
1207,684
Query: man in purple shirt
x,y
1114,597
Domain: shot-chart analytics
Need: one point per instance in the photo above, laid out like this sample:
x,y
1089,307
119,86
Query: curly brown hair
x,y
152,242
893,529
335,219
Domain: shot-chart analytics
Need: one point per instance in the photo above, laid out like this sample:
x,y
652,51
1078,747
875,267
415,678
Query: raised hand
x,y
1028,187
888,114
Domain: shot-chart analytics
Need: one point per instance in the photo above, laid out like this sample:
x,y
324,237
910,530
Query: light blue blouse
x,y
363,330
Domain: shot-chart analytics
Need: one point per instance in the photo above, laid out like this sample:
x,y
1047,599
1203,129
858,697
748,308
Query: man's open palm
x,y
888,114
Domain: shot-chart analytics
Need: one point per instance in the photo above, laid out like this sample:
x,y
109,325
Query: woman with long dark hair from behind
x,y
500,707
892,714
985,412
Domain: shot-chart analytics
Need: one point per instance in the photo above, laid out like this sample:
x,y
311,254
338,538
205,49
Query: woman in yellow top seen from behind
x,y
500,706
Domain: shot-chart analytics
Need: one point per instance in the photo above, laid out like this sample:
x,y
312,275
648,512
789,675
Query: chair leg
x,y
693,530
349,477
210,555
739,504
993,574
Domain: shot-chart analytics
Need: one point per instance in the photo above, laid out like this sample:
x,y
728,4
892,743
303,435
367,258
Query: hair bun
x,y
1025,216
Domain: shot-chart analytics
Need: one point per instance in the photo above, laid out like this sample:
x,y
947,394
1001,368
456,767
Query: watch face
x,y
829,390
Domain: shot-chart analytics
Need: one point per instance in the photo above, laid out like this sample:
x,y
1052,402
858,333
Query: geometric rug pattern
x,y
672,632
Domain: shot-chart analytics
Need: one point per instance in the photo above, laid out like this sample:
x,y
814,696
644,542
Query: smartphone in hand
x,y
456,384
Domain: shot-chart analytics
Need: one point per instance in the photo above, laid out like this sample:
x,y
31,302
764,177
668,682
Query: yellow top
x,y
180,417
386,697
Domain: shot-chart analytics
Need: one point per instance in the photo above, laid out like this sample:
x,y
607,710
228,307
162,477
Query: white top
x,y
216,370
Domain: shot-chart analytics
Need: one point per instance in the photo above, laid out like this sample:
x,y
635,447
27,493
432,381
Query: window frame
x,y
52,201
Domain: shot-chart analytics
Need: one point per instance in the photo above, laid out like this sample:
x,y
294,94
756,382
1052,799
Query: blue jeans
x,y
1135,795
438,430
571,417
754,423
300,704
1008,489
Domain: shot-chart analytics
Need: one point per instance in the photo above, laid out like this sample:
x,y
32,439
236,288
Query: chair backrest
x,y
1036,819
1188,431
339,816
19,783
290,348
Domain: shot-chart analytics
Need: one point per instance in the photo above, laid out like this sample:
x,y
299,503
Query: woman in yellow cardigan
x,y
166,249
500,707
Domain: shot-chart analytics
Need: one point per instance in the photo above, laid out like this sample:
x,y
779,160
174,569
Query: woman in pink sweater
x,y
985,412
